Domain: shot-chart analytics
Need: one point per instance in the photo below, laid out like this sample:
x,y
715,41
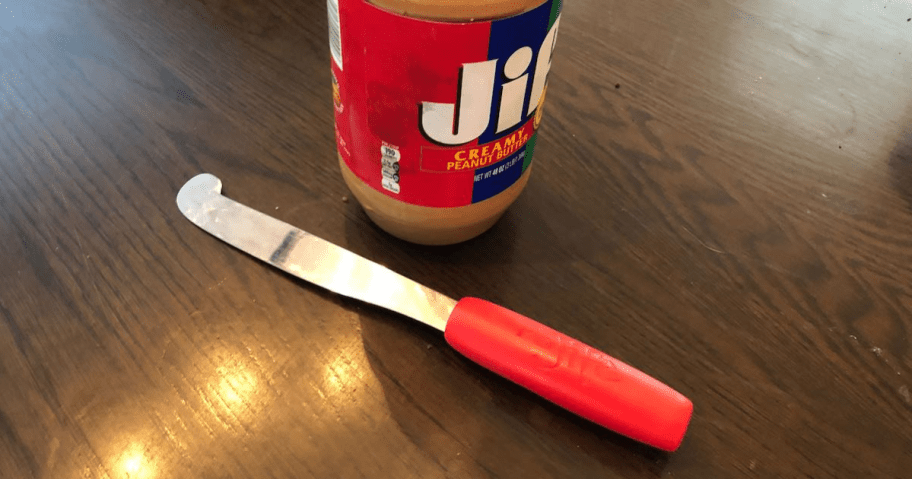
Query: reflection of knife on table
x,y
559,368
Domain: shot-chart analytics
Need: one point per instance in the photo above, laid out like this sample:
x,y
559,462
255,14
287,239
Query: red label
x,y
434,113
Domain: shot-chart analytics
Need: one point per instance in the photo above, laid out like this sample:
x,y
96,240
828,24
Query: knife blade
x,y
555,366
306,256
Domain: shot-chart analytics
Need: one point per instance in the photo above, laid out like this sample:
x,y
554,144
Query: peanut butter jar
x,y
437,108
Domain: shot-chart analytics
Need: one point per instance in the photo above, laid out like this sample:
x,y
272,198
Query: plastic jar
x,y
437,105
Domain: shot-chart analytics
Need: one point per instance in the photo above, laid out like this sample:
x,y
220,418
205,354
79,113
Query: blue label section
x,y
508,35
496,178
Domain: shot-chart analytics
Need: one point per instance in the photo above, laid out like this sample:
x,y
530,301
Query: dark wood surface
x,y
722,197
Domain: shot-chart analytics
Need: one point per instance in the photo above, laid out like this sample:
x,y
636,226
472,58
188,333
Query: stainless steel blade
x,y
307,256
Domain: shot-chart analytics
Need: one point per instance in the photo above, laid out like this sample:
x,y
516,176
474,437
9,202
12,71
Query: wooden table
x,y
722,197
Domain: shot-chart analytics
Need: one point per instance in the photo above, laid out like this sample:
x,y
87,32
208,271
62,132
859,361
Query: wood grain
x,y
722,197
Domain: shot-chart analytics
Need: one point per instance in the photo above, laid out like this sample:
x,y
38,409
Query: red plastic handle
x,y
569,373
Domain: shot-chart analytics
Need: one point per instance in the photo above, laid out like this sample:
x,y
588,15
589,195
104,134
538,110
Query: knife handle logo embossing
x,y
549,351
542,348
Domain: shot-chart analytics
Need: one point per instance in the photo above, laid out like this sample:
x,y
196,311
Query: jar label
x,y
435,113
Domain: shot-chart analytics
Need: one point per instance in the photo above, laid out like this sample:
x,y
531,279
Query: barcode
x,y
335,31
